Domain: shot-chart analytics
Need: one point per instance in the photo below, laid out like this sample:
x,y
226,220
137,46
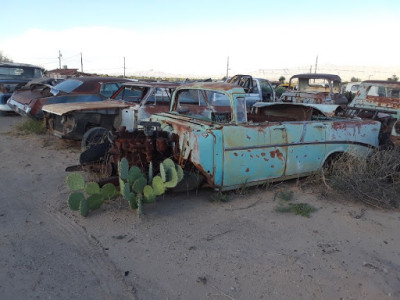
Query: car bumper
x,y
22,109
5,107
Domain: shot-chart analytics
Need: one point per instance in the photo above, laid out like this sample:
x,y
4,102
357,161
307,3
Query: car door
x,y
306,147
253,153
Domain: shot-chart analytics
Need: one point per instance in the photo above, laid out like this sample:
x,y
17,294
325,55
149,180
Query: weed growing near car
x,y
31,126
302,209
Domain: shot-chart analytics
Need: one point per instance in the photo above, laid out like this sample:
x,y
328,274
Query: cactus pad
x,y
168,164
139,185
83,208
133,174
139,202
172,178
149,195
109,191
125,191
92,188
123,169
74,200
95,201
76,182
132,201
158,186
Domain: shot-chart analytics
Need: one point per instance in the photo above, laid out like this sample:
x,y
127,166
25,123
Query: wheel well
x,y
332,157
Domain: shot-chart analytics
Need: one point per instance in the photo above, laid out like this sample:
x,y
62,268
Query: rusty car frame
x,y
379,100
88,120
227,146
318,88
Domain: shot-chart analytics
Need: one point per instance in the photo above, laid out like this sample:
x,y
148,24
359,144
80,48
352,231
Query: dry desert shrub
x,y
375,181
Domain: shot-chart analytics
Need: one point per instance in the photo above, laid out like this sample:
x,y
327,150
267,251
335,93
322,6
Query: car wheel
x,y
94,136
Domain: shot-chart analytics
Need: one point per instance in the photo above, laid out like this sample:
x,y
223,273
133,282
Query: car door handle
x,y
319,126
279,128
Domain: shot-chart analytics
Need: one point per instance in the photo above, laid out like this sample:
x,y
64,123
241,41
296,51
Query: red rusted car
x,y
29,102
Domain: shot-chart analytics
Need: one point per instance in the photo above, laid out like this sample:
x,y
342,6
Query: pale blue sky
x,y
195,37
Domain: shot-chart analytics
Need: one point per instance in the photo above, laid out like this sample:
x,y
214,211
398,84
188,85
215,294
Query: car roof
x,y
152,84
98,79
216,86
15,65
333,77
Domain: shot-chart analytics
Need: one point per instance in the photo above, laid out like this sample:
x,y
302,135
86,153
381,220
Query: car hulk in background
x,y
256,89
379,100
12,77
315,88
80,89
211,135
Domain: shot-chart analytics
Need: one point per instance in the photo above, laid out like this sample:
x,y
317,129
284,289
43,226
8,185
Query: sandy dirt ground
x,y
185,246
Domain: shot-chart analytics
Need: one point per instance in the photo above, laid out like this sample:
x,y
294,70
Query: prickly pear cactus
x,y
158,186
134,174
137,189
96,195
123,169
94,201
76,182
109,191
92,188
74,200
171,177
139,185
148,194
83,207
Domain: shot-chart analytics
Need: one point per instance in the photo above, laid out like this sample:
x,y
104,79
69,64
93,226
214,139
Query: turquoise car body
x,y
275,141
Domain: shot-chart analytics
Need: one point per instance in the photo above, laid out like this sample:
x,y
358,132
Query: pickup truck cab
x,y
256,89
229,146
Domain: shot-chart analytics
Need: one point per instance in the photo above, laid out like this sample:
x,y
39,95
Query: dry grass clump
x,y
375,181
31,126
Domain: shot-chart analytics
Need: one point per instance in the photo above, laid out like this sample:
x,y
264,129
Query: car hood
x,y
27,96
63,108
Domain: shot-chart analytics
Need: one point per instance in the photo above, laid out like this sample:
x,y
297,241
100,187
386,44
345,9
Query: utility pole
x,y
227,68
81,63
316,63
124,66
310,69
59,59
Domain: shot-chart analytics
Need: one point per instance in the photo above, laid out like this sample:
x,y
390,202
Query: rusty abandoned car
x,y
14,76
29,102
379,100
257,89
90,121
211,135
315,88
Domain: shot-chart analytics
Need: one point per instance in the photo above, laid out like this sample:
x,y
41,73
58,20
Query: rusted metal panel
x,y
60,109
380,95
379,100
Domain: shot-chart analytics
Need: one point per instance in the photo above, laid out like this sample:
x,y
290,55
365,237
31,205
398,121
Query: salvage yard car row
x,y
223,134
